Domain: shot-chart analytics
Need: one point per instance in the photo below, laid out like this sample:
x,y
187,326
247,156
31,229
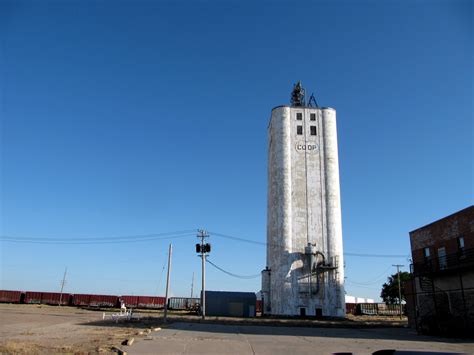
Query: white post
x,y
168,282
62,287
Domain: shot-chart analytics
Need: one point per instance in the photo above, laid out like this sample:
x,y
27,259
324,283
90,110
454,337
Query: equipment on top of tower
x,y
298,95
312,100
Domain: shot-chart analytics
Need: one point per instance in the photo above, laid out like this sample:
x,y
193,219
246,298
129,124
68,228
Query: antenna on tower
x,y
312,100
297,95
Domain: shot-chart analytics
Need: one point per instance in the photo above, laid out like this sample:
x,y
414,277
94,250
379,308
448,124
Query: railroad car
x,y
183,303
130,301
11,296
50,298
90,300
151,302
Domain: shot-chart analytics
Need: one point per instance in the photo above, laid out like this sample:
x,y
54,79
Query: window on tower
x,y
312,117
299,116
313,130
299,130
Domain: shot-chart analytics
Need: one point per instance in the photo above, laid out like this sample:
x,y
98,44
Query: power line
x,y
377,255
367,287
238,238
135,236
232,274
95,242
279,245
373,280
110,240
156,236
365,283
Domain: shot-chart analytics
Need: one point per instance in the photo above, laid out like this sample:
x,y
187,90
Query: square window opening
x,y
299,130
299,116
312,117
313,130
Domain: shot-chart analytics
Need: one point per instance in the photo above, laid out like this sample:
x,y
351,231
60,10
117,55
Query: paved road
x,y
195,338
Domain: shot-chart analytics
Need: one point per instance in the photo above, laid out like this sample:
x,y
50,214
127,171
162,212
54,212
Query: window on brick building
x,y
312,117
299,130
442,258
313,130
299,116
426,253
461,245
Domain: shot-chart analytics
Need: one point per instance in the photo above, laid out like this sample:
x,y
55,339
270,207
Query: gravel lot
x,y
47,329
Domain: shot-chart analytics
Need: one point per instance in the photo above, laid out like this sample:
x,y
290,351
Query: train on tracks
x,y
93,300
154,302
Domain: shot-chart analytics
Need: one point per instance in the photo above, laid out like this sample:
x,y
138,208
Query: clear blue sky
x,y
123,118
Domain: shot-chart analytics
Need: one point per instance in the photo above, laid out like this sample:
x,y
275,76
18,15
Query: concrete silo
x,y
305,267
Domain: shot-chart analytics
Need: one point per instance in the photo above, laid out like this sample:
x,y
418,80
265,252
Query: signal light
x,y
207,248
198,248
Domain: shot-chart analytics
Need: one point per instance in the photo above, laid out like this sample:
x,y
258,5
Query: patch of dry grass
x,y
20,347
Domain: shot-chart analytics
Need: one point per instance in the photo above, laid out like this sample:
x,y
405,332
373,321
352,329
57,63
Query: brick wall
x,y
444,233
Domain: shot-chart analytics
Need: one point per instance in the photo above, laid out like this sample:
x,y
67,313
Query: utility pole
x,y
192,286
203,248
398,266
63,282
168,282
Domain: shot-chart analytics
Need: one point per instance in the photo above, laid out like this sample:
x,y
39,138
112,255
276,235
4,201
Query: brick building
x,y
440,297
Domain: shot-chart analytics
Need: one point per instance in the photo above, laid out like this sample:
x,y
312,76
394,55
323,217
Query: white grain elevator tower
x,y
305,267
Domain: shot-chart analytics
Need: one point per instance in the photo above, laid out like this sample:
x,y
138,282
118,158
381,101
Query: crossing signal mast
x,y
203,248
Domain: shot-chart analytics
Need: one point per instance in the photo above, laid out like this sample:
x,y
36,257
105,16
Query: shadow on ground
x,y
324,328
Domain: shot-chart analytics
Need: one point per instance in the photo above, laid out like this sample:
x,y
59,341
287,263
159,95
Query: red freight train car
x,y
103,301
10,296
130,301
151,302
94,300
33,297
81,300
53,298
143,301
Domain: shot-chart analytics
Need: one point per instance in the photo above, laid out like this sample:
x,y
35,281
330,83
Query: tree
x,y
389,292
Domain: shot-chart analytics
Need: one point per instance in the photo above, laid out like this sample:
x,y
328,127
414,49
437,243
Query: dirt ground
x,y
44,329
